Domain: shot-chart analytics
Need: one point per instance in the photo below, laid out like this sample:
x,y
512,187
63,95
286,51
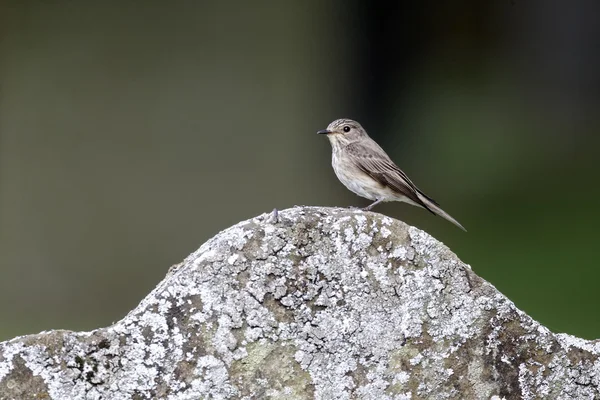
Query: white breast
x,y
354,179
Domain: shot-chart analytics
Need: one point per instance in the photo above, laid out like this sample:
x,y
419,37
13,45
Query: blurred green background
x,y
131,132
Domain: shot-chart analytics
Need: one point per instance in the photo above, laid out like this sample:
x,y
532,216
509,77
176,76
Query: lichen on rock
x,y
312,303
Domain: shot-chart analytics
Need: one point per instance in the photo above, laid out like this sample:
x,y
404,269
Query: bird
x,y
366,169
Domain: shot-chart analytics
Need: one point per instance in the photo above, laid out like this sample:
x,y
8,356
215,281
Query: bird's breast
x,y
353,178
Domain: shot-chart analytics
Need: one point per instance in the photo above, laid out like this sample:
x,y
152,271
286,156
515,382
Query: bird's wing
x,y
373,161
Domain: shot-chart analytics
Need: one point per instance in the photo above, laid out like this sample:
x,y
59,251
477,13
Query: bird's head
x,y
343,131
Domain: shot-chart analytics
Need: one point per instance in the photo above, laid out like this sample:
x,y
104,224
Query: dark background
x,y
131,132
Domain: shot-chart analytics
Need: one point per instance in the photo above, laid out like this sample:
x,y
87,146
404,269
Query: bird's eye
x,y
346,129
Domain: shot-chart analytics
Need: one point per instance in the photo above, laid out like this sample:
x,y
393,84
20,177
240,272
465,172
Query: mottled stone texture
x,y
313,303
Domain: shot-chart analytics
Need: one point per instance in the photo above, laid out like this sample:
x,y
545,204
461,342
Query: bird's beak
x,y
324,132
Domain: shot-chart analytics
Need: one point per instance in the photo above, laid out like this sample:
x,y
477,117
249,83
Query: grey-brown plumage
x,y
364,168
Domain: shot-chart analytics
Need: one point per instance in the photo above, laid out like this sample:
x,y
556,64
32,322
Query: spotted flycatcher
x,y
364,168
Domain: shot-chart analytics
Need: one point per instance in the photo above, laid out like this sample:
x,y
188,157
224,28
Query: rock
x,y
316,303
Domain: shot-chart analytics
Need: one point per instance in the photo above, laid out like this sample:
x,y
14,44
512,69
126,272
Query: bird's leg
x,y
369,207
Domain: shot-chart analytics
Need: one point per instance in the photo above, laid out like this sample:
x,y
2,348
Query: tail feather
x,y
435,208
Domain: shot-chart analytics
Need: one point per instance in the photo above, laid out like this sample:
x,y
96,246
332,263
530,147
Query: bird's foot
x,y
370,206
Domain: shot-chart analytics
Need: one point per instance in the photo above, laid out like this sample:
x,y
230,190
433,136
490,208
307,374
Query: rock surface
x,y
311,303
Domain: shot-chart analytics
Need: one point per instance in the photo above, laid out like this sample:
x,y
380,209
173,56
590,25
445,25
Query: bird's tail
x,y
435,208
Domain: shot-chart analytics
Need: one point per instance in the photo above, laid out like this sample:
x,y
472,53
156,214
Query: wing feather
x,y
373,161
